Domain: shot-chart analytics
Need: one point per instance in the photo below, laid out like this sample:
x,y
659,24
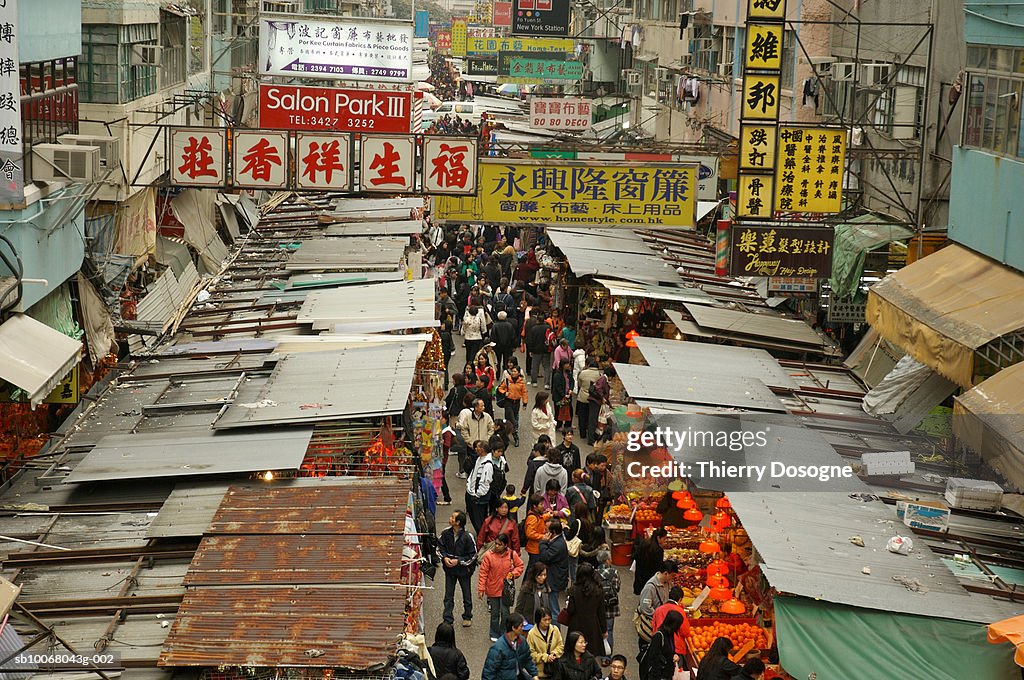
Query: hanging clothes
x,y
810,91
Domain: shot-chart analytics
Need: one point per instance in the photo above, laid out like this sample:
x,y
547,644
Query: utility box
x,y
881,463
973,494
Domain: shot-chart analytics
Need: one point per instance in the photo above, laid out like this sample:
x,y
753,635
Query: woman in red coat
x,y
500,522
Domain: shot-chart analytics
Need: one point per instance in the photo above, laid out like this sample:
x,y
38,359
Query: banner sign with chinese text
x,y
505,59
443,41
459,36
565,113
324,161
301,107
792,284
765,250
12,171
481,66
491,46
542,70
566,192
540,17
809,173
346,48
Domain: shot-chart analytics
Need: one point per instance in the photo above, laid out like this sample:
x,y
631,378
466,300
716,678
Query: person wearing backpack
x,y
659,660
540,340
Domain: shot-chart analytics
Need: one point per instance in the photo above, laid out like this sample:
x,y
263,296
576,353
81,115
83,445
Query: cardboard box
x,y
927,515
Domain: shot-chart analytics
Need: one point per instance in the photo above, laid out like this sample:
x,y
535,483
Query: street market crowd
x,y
536,551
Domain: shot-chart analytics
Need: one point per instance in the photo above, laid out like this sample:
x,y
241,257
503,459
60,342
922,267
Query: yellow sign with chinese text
x,y
760,97
764,47
563,193
66,391
754,196
757,147
491,46
459,30
766,9
809,173
776,250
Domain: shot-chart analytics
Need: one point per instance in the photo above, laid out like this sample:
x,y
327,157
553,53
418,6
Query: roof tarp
x,y
907,393
1012,631
988,419
942,308
34,356
853,241
837,642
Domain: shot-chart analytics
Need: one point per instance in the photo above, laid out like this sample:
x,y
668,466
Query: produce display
x,y
620,514
685,539
701,636
689,557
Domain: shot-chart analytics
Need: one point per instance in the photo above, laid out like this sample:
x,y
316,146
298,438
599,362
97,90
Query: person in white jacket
x,y
542,418
579,362
474,327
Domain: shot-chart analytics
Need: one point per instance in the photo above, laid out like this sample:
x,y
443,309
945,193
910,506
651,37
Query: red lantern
x,y
721,594
733,606
631,338
709,545
717,568
716,581
723,504
720,522
693,515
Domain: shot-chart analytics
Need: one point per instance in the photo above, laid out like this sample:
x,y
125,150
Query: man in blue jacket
x,y
510,655
457,548
555,554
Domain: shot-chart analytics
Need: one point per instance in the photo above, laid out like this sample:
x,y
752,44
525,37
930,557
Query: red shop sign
x,y
326,109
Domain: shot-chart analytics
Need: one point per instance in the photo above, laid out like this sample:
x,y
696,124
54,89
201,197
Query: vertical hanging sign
x,y
759,109
12,171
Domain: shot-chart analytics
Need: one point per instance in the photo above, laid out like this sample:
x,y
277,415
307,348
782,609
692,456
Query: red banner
x,y
503,13
324,109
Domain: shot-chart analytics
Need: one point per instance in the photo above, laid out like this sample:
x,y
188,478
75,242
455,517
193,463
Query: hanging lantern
x,y
688,503
720,522
693,515
709,545
732,606
716,581
721,594
717,568
723,503
631,337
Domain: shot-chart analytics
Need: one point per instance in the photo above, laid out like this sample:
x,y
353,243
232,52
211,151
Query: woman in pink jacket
x,y
499,563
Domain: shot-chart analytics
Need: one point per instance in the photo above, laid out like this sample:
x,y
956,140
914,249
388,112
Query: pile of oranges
x,y
702,636
620,512
646,515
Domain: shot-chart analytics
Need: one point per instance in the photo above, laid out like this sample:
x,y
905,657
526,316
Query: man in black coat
x,y
555,554
457,548
537,342
503,335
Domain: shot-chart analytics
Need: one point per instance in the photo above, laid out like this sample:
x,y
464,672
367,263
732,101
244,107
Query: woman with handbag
x,y
586,607
545,642
561,393
576,662
578,534
659,661
498,570
500,522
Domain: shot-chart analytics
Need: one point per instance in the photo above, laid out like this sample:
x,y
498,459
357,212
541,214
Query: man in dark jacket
x,y
503,335
510,655
457,548
555,554
537,342
446,305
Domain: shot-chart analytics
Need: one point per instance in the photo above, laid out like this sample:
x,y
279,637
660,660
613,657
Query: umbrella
x,y
432,101
424,87
1012,631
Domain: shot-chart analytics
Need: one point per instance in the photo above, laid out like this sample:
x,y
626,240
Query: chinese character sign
x,y
541,70
754,196
781,251
324,161
260,159
449,165
764,47
760,97
422,23
443,41
564,192
757,147
12,177
348,48
302,107
492,46
197,157
459,36
387,163
809,174
766,9
566,113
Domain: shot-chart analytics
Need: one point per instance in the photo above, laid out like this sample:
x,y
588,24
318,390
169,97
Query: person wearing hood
x,y
551,470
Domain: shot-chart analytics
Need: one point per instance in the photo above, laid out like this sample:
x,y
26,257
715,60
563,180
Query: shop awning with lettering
x,y
35,357
942,308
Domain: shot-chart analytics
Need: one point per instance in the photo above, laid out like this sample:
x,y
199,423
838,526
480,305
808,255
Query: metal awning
x,y
907,393
35,357
147,455
759,325
943,308
685,326
704,208
693,387
666,293
313,386
408,302
989,419
394,228
614,240
727,360
350,253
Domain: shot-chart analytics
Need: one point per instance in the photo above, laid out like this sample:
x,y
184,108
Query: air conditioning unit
x,y
661,73
63,162
843,71
632,77
145,55
822,66
725,69
686,60
276,7
875,75
110,147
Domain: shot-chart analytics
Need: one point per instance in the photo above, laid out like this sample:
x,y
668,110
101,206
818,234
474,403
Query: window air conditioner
x,y
110,147
874,75
63,162
661,73
632,77
843,71
725,69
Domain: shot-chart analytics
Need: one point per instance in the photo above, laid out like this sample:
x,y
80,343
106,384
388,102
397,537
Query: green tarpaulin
x,y
853,241
837,642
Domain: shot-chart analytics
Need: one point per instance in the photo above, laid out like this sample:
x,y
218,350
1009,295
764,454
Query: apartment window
x,y
173,54
728,46
706,47
669,10
993,115
49,100
119,62
789,49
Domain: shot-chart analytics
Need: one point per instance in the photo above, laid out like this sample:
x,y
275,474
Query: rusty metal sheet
x,y
330,509
296,560
351,627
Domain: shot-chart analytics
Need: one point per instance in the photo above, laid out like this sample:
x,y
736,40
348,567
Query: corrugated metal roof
x,y
685,326
348,278
320,627
147,455
336,254
35,357
10,644
691,387
297,560
397,227
804,540
759,325
669,293
726,360
385,302
628,266
342,384
614,240
355,507
370,205
188,510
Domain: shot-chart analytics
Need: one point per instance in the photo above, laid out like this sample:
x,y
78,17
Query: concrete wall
x,y
49,249
994,23
986,213
120,11
49,31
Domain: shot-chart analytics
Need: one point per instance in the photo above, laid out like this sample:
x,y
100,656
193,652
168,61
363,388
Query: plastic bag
x,y
901,545
607,647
